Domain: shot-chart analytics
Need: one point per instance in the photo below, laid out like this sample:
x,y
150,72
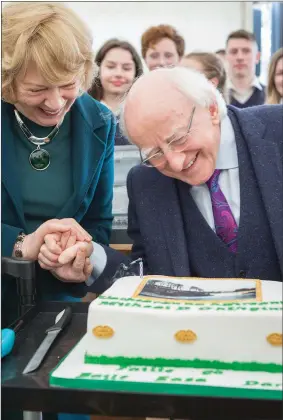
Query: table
x,y
33,393
124,248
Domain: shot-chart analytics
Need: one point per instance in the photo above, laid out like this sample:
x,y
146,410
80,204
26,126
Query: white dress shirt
x,y
243,95
227,161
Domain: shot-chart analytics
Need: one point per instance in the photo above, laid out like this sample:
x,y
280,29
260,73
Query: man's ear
x,y
214,114
257,57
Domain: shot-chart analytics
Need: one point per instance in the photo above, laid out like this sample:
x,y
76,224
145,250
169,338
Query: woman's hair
x,y
96,90
273,96
212,67
51,36
154,34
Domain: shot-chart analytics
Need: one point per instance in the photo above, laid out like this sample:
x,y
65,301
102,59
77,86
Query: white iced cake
x,y
233,324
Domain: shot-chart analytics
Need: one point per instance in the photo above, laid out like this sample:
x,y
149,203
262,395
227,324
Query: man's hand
x,y
76,263
33,242
72,264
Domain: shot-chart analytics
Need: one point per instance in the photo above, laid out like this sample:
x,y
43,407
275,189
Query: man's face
x,y
241,57
154,123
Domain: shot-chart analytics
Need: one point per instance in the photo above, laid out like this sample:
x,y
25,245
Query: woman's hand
x,y
33,242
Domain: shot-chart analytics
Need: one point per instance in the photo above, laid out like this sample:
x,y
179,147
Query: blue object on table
x,y
8,336
7,341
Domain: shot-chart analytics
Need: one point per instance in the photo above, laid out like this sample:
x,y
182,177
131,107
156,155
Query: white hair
x,y
192,84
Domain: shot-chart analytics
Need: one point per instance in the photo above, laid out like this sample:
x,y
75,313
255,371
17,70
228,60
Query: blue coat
x,y
93,132
156,216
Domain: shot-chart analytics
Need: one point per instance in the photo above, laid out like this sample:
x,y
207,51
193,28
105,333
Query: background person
x,y
242,56
162,46
119,65
275,78
210,65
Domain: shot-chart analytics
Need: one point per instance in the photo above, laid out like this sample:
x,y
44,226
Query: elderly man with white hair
x,y
207,200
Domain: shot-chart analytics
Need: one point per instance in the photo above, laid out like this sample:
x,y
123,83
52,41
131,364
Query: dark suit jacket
x,y
93,131
155,220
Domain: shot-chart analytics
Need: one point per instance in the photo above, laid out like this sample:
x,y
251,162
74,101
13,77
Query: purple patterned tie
x,y
225,225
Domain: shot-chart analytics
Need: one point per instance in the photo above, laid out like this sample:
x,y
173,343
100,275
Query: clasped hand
x,y
62,247
66,257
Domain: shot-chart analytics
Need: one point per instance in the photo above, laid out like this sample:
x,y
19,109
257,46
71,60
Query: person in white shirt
x,y
207,200
242,56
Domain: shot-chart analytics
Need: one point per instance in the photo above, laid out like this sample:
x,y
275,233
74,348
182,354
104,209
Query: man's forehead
x,y
240,43
149,83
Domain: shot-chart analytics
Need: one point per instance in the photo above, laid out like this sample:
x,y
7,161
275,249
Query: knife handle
x,y
63,321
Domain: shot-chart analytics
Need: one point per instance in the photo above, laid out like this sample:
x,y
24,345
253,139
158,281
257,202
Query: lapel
x,y
88,142
169,217
9,161
267,166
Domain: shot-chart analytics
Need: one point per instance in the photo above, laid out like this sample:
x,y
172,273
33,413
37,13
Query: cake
x,y
233,324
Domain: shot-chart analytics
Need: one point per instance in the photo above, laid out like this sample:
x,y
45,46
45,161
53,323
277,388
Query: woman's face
x,y
163,54
41,102
278,77
117,71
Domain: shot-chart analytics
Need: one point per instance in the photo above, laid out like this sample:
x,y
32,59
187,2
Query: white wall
x,y
204,25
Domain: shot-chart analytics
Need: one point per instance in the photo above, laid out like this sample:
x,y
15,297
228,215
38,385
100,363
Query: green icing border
x,y
169,389
166,304
195,363
158,388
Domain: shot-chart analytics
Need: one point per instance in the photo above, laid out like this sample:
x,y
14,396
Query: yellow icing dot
x,y
185,336
275,339
103,331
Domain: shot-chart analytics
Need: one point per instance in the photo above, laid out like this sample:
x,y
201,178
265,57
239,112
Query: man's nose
x,y
239,56
175,160
54,101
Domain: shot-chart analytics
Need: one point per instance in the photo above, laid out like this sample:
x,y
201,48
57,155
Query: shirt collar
x,y
255,83
227,157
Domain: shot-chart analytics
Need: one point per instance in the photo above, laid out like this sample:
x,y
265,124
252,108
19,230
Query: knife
x,y
62,319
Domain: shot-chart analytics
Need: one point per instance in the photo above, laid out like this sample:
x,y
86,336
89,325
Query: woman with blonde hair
x,y
210,65
57,150
275,78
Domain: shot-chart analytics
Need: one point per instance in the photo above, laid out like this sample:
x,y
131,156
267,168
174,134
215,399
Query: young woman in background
x,y
119,65
210,65
275,79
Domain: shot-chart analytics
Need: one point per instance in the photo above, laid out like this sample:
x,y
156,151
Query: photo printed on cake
x,y
218,290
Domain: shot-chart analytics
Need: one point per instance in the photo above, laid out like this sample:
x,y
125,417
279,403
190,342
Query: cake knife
x,y
61,320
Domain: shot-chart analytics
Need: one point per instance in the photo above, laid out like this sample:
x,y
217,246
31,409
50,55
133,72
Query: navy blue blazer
x,y
93,132
155,222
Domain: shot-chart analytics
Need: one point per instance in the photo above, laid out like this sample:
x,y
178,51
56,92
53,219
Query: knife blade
x,y
61,321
